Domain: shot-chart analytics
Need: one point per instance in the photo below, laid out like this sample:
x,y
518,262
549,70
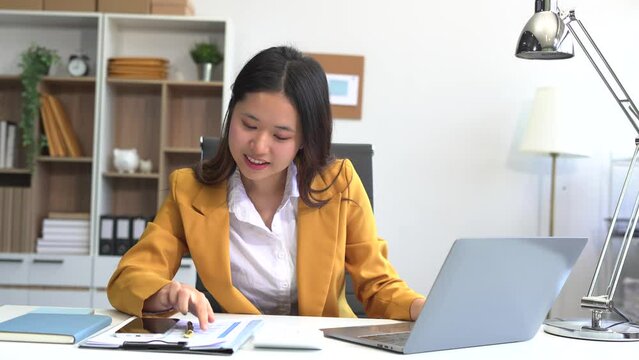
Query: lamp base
x,y
581,329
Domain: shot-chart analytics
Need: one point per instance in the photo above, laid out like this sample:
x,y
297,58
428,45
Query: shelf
x,y
10,78
121,81
132,23
192,113
65,159
118,81
172,83
203,84
182,150
49,19
113,174
69,79
63,186
162,119
14,171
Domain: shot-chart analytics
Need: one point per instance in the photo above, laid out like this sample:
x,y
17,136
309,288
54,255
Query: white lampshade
x,y
552,129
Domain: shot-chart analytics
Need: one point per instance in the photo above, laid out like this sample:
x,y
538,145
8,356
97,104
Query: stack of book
x,y
138,68
8,133
64,233
61,138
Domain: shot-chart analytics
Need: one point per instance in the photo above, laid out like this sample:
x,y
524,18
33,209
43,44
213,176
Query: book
x,y
62,247
3,142
138,225
50,130
122,235
69,215
52,328
69,139
10,157
65,235
107,235
65,223
63,243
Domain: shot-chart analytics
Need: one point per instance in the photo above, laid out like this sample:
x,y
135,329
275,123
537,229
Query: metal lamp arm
x,y
620,94
604,302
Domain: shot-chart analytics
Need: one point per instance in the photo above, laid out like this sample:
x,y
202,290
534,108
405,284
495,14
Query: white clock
x,y
78,65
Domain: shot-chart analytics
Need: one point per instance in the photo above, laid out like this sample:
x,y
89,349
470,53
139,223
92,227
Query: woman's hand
x,y
183,298
416,308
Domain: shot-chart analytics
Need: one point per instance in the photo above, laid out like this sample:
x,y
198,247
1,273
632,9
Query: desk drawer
x,y
14,296
100,300
72,298
14,269
104,267
60,271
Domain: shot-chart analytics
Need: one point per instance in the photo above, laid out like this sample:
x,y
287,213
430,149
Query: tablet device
x,y
146,328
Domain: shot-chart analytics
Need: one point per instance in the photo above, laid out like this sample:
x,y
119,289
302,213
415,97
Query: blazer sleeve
x,y
376,283
154,260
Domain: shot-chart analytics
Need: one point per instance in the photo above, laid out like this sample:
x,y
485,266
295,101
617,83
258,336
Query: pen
x,y
189,330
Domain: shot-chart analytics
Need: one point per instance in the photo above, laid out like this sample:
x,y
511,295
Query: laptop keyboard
x,y
394,338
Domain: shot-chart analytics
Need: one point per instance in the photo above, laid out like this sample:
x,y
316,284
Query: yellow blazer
x,y
340,235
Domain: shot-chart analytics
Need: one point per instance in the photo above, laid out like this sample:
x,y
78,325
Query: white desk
x,y
542,346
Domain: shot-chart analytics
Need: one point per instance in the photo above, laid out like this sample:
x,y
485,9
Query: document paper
x,y
221,334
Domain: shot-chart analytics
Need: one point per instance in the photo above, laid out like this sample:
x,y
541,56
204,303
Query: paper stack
x,y
138,68
64,236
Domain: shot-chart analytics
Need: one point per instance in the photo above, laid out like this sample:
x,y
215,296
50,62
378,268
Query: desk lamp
x,y
545,36
550,131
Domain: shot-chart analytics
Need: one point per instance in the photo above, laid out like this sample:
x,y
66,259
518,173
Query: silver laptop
x,y
489,291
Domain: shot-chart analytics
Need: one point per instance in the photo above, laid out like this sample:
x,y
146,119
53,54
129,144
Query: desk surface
x,y
541,346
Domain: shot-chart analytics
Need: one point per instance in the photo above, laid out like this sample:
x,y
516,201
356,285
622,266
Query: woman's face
x,y
264,135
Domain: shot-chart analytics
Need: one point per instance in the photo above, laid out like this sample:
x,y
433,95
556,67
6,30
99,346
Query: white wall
x,y
445,103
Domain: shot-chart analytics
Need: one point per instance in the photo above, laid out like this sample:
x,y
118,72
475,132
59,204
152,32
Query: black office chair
x,y
361,155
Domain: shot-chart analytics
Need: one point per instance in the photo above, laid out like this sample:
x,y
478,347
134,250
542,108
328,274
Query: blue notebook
x,y
52,328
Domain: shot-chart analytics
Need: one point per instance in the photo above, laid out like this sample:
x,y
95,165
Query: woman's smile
x,y
255,164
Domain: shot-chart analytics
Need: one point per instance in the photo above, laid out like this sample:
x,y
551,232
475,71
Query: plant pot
x,y
205,71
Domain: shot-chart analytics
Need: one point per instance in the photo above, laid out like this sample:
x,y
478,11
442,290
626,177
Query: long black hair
x,y
303,81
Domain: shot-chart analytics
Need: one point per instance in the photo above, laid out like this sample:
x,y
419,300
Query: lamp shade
x,y
551,128
544,37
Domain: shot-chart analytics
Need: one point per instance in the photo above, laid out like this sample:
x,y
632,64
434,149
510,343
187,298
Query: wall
x,y
445,103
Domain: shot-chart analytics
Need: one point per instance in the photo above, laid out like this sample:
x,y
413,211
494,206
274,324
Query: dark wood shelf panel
x,y
171,83
84,159
69,79
113,174
15,171
182,150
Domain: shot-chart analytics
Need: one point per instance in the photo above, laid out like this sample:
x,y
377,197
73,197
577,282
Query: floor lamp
x,y
551,131
546,36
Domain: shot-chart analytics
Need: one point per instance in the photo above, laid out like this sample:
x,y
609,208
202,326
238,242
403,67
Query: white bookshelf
x,y
161,118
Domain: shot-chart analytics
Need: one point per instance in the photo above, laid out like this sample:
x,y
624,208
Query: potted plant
x,y
35,63
207,56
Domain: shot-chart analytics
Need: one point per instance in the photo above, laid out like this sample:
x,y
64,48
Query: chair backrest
x,y
361,155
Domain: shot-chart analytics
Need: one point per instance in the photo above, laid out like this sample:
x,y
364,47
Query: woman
x,y
272,221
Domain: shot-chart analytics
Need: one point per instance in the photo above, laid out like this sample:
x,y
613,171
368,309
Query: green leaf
x,y
35,63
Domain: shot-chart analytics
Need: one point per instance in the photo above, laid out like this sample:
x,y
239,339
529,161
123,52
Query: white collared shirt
x,y
262,260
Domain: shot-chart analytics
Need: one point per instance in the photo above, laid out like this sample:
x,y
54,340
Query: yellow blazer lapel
x,y
208,239
317,231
